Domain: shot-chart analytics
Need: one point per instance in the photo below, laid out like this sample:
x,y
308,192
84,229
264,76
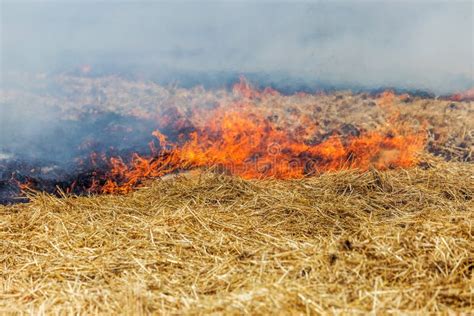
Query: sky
x,y
409,44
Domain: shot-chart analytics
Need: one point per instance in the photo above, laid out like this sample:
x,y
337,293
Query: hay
x,y
449,124
394,241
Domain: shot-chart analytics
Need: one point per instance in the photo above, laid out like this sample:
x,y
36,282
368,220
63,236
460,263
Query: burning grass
x,y
117,134
217,217
204,242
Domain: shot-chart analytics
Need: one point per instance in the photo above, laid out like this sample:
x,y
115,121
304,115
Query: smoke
x,y
412,44
350,44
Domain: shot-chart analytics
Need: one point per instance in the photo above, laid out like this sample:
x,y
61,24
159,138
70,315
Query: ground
x,y
203,242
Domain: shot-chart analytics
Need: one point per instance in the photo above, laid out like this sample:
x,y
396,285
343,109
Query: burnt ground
x,y
70,155
49,146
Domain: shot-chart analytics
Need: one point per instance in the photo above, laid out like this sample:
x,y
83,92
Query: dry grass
x,y
395,241
449,124
391,242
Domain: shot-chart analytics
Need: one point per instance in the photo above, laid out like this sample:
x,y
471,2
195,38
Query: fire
x,y
386,98
240,139
467,95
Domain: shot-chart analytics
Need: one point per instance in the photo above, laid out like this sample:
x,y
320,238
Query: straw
x,y
345,242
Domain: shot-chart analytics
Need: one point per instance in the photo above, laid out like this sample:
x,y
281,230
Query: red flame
x,y
467,95
241,140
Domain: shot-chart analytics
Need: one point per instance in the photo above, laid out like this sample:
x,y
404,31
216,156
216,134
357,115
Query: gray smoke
x,y
412,44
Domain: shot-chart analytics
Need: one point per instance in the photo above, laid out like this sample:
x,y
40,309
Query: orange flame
x,y
240,139
467,95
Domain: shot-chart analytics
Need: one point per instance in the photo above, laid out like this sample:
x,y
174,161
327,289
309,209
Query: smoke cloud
x,y
71,71
412,44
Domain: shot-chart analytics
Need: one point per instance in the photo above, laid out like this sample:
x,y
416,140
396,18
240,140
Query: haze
x,y
422,45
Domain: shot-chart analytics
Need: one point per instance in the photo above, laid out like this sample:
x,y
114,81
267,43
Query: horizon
x,y
421,45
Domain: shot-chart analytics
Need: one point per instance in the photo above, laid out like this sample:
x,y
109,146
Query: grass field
x,y
200,241
393,241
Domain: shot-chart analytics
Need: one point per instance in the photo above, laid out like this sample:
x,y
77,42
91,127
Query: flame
x,y
244,89
240,139
23,185
467,95
386,98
